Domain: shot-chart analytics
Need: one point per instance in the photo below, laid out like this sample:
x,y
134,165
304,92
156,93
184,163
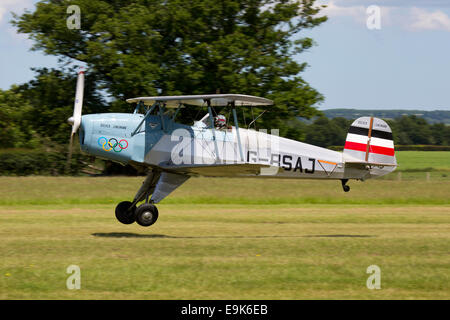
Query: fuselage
x,y
161,140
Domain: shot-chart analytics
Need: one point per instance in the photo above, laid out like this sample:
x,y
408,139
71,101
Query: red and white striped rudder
x,y
370,140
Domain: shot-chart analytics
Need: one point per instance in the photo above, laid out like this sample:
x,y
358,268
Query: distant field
x,y
423,160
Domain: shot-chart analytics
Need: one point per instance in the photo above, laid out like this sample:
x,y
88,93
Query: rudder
x,y
370,140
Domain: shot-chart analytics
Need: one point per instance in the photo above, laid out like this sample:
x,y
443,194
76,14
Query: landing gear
x,y
146,214
344,185
125,212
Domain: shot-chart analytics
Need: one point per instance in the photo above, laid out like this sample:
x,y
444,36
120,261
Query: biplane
x,y
173,152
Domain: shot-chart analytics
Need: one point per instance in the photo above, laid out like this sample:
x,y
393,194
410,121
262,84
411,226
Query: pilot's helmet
x,y
220,120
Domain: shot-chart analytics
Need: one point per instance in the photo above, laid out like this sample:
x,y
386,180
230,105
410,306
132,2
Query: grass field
x,y
424,161
228,239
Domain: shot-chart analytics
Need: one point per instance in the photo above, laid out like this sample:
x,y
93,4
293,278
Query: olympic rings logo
x,y
112,144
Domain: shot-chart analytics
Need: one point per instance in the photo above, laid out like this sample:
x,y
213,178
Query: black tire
x,y
146,214
346,188
125,213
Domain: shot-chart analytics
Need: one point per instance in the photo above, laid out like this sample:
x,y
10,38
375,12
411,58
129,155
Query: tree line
x,y
406,130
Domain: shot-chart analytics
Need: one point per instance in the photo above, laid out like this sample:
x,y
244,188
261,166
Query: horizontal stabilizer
x,y
374,164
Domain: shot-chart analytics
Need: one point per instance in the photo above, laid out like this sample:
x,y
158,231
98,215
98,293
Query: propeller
x,y
75,120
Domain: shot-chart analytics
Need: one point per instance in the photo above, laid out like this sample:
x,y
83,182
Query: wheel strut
x,y
345,187
146,214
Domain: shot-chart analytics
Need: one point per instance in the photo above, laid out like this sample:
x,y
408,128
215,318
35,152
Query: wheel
x,y
346,188
146,214
125,213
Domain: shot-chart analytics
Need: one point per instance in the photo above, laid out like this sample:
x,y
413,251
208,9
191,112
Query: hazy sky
x,y
405,64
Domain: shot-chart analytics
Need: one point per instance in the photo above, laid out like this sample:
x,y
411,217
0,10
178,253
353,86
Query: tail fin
x,y
369,140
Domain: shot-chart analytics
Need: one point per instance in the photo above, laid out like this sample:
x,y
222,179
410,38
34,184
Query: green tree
x,y
15,130
324,132
412,130
50,97
441,134
143,47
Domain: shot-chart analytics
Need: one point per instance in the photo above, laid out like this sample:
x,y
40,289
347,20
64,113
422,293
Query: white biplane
x,y
172,152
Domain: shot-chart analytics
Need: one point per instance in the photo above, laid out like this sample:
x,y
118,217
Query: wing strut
x,y
236,125
143,119
211,120
161,114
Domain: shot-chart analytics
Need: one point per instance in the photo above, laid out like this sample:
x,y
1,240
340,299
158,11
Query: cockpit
x,y
220,122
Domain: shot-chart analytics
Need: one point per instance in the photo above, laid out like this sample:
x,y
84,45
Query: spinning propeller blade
x,y
75,120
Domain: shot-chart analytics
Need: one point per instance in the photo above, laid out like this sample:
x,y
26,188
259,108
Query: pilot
x,y
220,122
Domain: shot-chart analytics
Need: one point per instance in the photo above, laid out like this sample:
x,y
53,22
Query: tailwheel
x,y
125,212
146,214
345,187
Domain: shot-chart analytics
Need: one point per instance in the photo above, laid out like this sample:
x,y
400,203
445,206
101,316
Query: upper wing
x,y
217,100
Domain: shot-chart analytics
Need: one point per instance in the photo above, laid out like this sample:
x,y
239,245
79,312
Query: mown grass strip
x,y
241,200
